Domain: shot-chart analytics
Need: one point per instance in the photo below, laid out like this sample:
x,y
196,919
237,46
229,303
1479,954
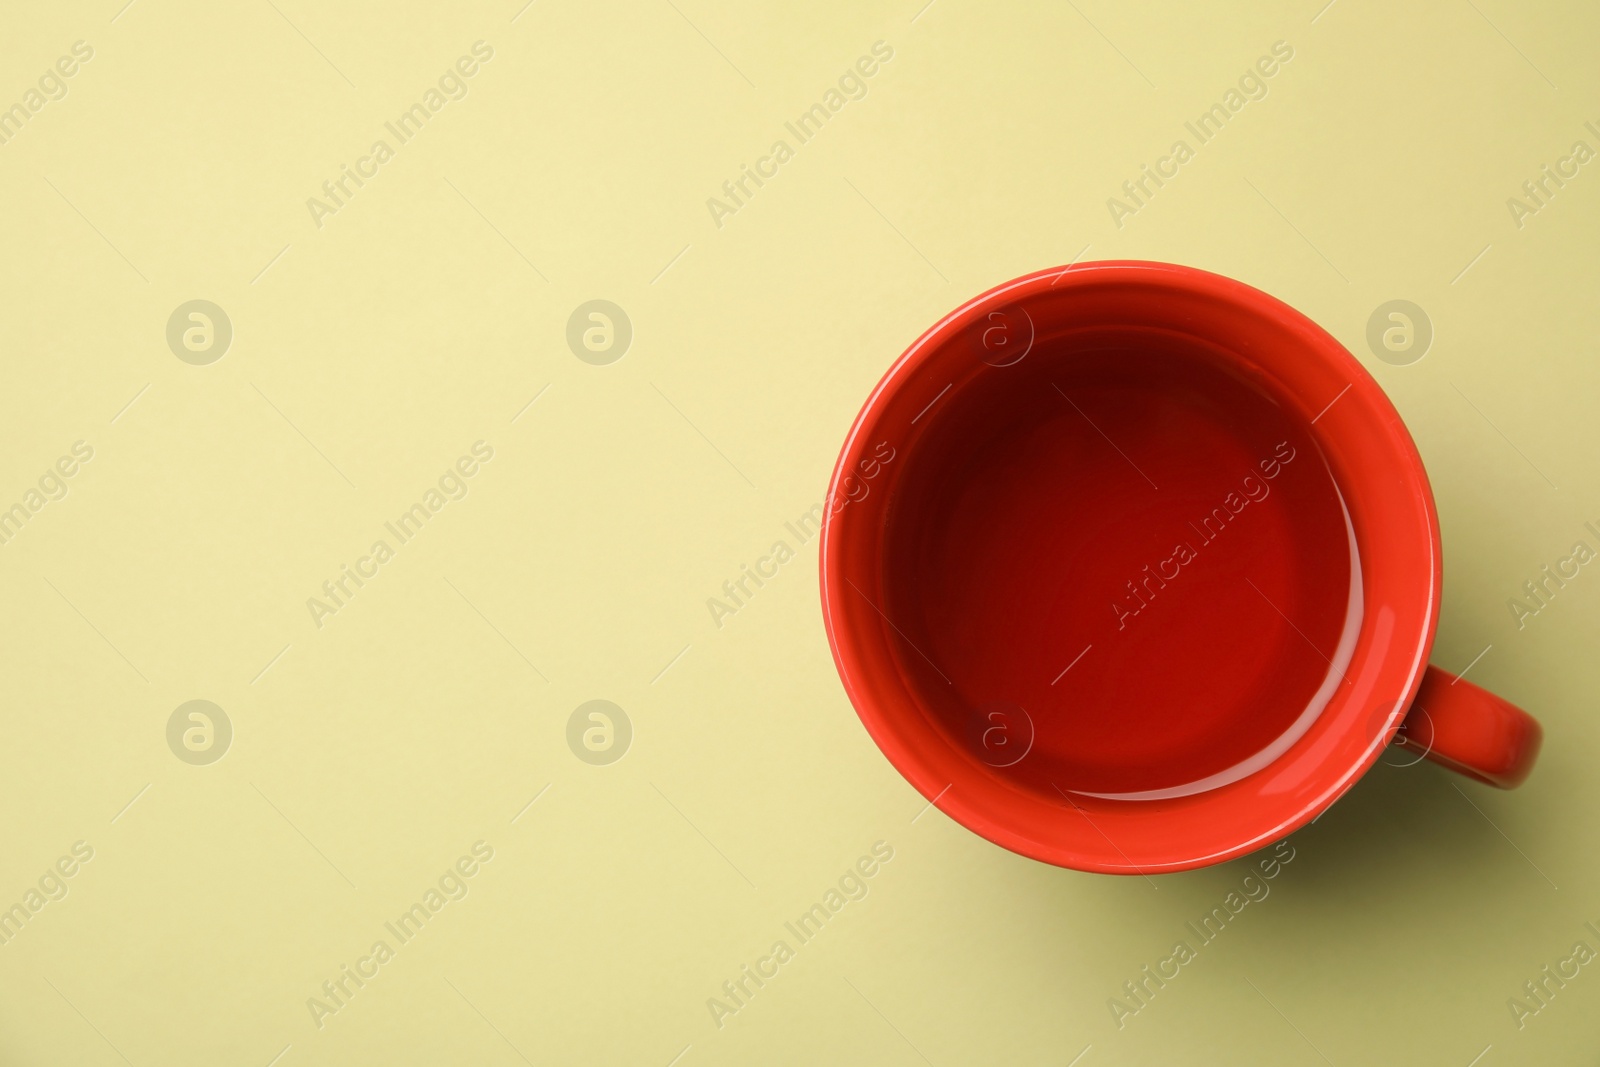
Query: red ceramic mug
x,y
1129,567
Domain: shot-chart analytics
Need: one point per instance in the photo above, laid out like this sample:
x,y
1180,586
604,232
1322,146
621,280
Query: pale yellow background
x,y
370,353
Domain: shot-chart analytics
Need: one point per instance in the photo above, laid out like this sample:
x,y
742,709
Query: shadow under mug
x,y
1129,567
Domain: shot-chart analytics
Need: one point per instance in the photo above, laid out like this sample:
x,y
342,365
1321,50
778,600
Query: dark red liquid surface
x,y
1126,507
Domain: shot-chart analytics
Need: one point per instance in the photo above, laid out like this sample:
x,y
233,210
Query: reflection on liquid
x,y
1319,700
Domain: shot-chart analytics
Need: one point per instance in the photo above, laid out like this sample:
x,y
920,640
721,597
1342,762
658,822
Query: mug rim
x,y
1406,582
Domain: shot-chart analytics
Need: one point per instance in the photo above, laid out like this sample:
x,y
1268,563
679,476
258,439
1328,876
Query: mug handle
x,y
1470,730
